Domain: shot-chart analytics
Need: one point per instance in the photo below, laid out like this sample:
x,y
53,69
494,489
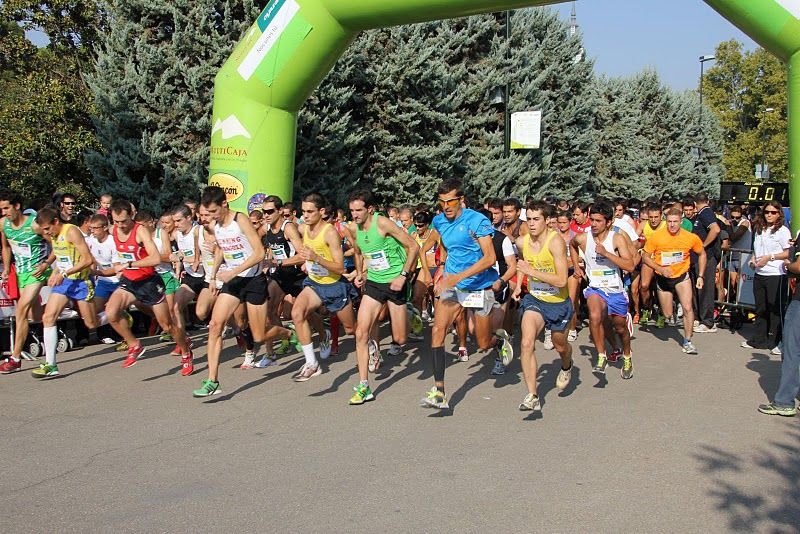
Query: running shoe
x,y
325,346
394,349
680,311
266,361
435,399
307,372
249,360
771,409
415,337
746,345
128,318
499,368
362,394
548,340
374,355
187,364
207,388
660,321
600,367
107,341
283,348
462,355
688,347
121,346
776,351
627,368
703,329
45,370
426,316
572,335
177,350
530,403
504,348
165,336
644,318
10,366
134,353
27,355
415,320
614,355
564,377
672,321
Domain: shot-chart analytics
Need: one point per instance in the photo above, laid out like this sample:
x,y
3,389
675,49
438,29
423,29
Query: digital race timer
x,y
740,192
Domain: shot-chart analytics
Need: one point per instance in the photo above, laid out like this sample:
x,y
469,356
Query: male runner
x,y
605,253
466,282
653,224
667,253
20,236
139,282
387,253
104,252
547,303
241,252
192,280
324,286
69,281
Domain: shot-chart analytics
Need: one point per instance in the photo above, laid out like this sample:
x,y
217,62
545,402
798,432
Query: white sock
x,y
103,318
308,352
50,342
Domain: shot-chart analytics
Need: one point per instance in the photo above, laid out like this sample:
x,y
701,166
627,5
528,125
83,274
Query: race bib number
x,y
605,278
470,299
64,262
188,253
127,257
316,269
539,288
671,258
233,258
21,250
279,254
377,261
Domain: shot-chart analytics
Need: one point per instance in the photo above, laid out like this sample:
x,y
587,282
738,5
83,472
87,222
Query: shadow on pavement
x,y
778,511
290,368
769,373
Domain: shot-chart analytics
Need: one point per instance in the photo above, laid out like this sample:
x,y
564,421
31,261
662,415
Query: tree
x,y
741,89
153,86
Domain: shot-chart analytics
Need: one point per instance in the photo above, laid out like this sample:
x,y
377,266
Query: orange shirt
x,y
673,250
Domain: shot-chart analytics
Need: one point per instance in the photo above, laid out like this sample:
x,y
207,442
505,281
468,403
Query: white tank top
x,y
235,247
163,267
186,247
105,255
603,274
206,257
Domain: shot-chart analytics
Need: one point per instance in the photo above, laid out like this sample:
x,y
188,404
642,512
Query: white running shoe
x,y
265,361
325,346
374,356
572,335
307,372
548,340
249,360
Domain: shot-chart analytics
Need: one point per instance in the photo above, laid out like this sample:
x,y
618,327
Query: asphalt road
x,y
680,447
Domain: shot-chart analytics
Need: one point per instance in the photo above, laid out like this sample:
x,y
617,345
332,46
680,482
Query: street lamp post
x,y
763,172
703,59
501,95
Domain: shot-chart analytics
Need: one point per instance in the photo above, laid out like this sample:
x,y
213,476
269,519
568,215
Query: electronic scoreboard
x,y
754,192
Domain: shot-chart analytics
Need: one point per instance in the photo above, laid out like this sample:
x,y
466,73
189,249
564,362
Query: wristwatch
x,y
404,274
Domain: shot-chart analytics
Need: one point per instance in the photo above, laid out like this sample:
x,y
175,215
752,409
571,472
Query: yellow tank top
x,y
317,272
543,261
649,230
67,254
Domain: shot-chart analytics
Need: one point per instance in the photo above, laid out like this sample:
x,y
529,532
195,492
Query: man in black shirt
x,y
707,229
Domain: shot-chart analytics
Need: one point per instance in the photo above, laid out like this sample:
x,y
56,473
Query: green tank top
x,y
29,248
384,256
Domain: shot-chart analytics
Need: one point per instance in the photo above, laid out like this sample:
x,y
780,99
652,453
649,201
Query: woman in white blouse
x,y
770,285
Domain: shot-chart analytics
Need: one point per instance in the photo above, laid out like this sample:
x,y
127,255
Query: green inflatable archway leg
x,y
294,43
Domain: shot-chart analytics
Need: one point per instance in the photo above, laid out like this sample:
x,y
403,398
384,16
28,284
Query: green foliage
x,y
739,89
648,137
153,86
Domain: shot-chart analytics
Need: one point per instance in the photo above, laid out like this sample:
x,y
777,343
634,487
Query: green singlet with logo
x,y
29,248
384,256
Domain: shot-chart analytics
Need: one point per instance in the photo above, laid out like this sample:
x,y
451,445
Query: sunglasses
x,y
771,212
449,202
269,212
70,203
736,218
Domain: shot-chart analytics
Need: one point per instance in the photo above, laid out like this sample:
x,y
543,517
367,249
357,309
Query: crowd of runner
x,y
279,279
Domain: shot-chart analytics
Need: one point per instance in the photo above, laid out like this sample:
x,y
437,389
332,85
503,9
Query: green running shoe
x,y
600,366
627,368
771,409
45,370
435,399
660,321
207,388
415,319
362,394
283,348
644,318
165,337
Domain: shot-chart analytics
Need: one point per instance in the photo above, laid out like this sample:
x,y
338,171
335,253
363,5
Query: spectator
x,y
105,204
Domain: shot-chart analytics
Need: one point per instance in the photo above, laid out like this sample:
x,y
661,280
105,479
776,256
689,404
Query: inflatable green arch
x,y
294,43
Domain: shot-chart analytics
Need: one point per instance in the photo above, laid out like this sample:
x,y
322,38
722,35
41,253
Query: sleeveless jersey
x,y
235,247
67,255
603,274
29,248
206,257
282,248
543,261
500,259
131,250
164,266
317,272
384,256
431,253
649,230
186,246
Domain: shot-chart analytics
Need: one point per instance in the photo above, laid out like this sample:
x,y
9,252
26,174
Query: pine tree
x,y
153,91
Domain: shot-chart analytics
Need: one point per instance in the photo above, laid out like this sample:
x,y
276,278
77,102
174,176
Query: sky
x,y
626,36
